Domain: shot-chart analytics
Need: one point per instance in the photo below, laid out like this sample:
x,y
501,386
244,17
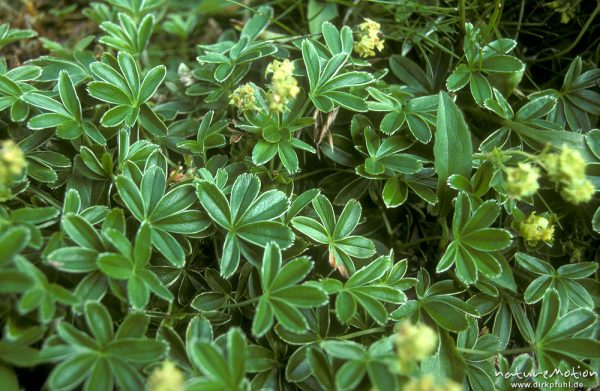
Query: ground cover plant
x,y
315,195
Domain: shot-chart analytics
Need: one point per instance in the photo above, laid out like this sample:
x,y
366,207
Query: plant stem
x,y
578,38
413,243
360,333
241,303
517,350
309,174
485,352
462,14
49,199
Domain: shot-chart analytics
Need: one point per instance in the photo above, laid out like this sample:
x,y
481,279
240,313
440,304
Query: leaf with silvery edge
x,y
248,218
130,264
282,295
565,280
564,335
369,288
329,84
104,358
360,362
65,116
336,233
168,214
119,85
221,362
476,247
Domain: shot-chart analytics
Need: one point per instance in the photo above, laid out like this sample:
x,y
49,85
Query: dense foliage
x,y
337,195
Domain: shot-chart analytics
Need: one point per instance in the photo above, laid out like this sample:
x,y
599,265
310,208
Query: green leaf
x,y
68,95
82,232
115,266
108,93
131,196
152,81
452,148
99,322
139,351
12,242
152,188
488,239
74,259
72,371
214,203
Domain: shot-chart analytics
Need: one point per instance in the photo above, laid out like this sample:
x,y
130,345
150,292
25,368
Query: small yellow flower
x,y
12,167
567,170
243,97
522,181
535,228
415,343
566,166
284,85
578,192
369,38
167,377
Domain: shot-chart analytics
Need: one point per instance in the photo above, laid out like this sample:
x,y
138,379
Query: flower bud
x,y
284,85
12,167
167,377
415,343
578,192
243,97
369,40
522,181
567,169
535,228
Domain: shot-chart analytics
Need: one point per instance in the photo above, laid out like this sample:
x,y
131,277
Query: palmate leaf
x,y
167,214
359,361
104,358
476,247
329,84
130,264
282,295
438,303
222,363
277,132
369,288
248,218
564,335
119,85
336,234
564,280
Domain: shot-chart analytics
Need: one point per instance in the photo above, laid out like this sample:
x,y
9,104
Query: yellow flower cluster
x,y
522,181
244,97
414,343
166,378
12,166
284,85
566,8
427,383
567,170
369,38
535,228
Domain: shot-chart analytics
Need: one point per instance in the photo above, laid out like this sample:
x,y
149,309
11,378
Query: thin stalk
x,y
360,333
577,39
484,352
242,303
312,173
462,15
